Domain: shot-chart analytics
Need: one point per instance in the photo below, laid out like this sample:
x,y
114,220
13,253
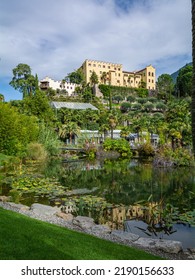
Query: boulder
x,y
125,236
85,223
19,206
100,229
64,216
45,210
4,198
168,246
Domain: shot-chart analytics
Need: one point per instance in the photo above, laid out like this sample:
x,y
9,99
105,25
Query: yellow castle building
x,y
113,74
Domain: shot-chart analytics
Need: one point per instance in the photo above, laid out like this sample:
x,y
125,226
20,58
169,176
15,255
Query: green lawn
x,y
23,238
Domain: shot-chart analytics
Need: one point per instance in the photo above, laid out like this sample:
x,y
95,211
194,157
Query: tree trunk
x,y
193,77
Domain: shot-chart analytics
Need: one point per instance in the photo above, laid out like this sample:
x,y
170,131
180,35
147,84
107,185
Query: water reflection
x,y
116,191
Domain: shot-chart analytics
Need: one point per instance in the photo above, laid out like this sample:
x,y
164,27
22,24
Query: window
x,y
104,66
94,65
149,80
148,73
152,74
89,64
99,66
108,67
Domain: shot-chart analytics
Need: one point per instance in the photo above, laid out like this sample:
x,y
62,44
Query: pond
x,y
126,195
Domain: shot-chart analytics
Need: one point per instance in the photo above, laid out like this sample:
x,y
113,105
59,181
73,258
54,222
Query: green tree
x,y
38,105
94,78
75,77
69,130
184,82
16,130
23,80
165,86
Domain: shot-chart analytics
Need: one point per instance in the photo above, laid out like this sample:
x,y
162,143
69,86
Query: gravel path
x,y
53,219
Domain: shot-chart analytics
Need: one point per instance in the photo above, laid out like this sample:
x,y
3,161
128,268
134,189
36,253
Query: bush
x,y
16,131
36,151
179,157
119,145
146,150
49,139
125,107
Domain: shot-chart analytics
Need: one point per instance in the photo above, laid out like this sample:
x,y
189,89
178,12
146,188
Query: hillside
x,y
175,74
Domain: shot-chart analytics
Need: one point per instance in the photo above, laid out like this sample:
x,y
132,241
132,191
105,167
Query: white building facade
x,y
57,85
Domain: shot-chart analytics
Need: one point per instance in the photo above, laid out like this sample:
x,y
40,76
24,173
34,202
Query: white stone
x,y
85,223
41,209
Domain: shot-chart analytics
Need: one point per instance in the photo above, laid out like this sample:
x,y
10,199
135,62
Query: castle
x,y
113,74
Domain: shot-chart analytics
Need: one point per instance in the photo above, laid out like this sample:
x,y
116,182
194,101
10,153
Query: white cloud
x,y
55,36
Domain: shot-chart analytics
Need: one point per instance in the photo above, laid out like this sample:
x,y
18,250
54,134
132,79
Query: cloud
x,y
54,37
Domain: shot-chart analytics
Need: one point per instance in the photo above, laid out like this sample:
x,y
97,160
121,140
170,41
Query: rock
x,y
100,229
64,216
123,235
45,210
167,246
4,198
85,223
19,206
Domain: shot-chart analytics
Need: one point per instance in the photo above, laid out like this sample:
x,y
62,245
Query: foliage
x,y
49,138
23,80
184,81
125,107
36,151
94,78
146,150
177,157
38,105
165,86
38,186
16,131
105,90
75,77
2,97
119,145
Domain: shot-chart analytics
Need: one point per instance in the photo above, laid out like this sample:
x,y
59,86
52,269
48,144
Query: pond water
x,y
125,194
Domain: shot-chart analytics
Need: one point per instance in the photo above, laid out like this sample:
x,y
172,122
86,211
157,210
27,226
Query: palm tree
x,y
103,77
69,130
193,78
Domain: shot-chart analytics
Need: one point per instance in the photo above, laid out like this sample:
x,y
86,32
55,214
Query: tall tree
x,y
165,86
75,77
193,77
184,81
23,80
94,78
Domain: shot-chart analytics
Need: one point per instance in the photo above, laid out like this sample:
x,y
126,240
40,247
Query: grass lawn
x,y
24,238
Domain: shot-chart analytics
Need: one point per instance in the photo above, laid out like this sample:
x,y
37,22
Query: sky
x,y
54,37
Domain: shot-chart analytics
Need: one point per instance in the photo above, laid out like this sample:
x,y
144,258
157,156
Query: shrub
x,y
16,130
119,145
49,139
125,107
36,151
146,150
